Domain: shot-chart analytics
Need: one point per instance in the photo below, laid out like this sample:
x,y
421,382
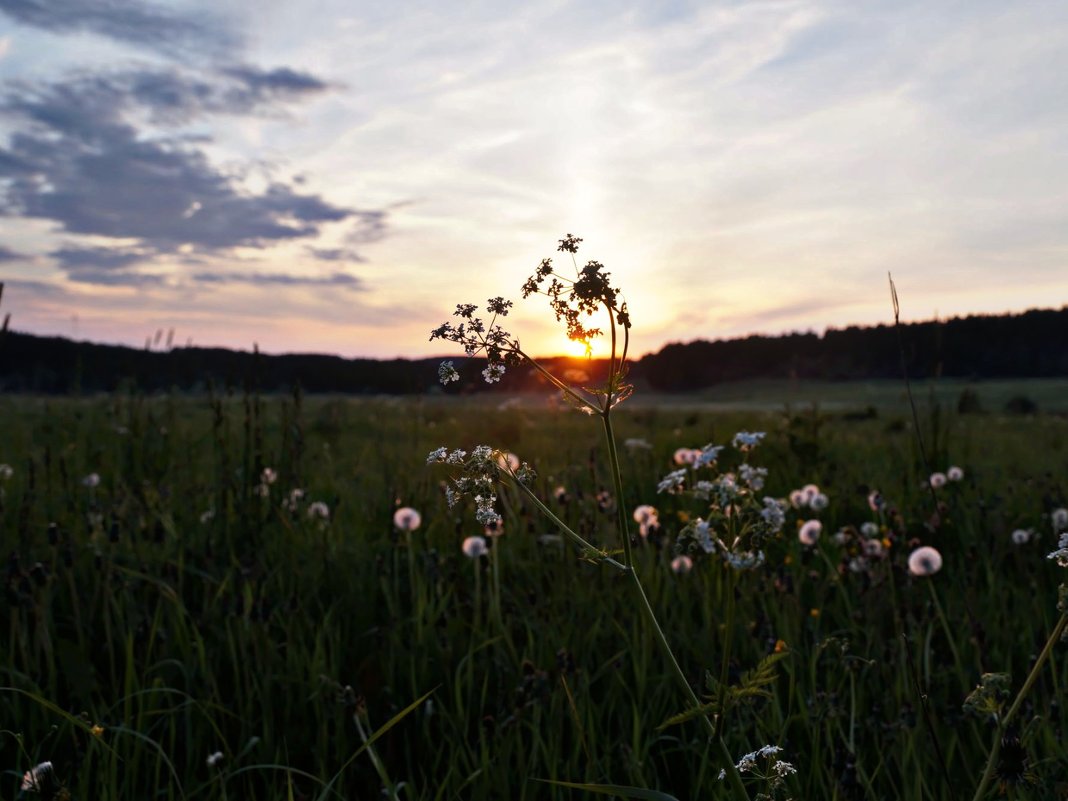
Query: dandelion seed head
x,y
1059,519
686,456
954,473
809,532
474,547
92,480
268,476
214,759
508,461
925,561
318,511
869,529
682,564
6,472
1022,536
37,778
938,480
797,498
644,513
407,519
875,500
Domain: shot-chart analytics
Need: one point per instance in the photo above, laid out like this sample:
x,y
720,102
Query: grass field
x,y
184,629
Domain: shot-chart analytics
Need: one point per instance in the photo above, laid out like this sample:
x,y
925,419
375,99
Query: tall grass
x,y
140,639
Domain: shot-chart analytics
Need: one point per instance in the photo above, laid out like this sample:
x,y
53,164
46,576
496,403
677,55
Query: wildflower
x,y
91,480
560,494
703,535
875,500
938,480
207,516
1059,518
954,473
925,561
707,455
841,536
748,762
1061,554
214,759
319,510
682,564
672,483
6,472
819,502
746,441
745,560
495,528
774,515
437,455
1022,536
808,492
39,778
268,476
474,547
797,499
407,519
493,372
686,456
262,490
869,529
97,731
447,373
810,532
753,476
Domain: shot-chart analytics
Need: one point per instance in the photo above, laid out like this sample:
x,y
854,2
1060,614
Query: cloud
x,y
84,159
131,21
342,280
336,254
9,255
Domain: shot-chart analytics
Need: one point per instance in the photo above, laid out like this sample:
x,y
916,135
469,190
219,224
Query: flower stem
x,y
1003,724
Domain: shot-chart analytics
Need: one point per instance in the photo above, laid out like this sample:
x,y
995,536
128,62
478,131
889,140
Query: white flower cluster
x,y
774,773
478,478
447,373
1061,554
734,505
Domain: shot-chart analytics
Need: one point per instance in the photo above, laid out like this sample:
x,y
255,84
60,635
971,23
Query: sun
x,y
577,350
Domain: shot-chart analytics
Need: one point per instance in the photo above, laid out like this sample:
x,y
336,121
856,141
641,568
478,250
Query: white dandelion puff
x,y
810,532
954,473
938,480
407,519
682,564
925,561
474,547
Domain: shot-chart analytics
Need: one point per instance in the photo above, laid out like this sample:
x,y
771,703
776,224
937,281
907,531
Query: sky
x,y
335,176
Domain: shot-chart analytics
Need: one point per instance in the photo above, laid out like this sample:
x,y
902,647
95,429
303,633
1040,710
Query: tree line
x,y
1032,344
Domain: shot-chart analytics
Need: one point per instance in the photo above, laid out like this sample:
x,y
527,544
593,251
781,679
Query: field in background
x,y
185,613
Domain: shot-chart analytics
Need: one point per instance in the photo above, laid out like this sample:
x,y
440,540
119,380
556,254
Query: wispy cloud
x,y
341,280
134,22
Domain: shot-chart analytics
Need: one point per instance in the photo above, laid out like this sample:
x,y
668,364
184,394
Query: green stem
x,y
592,550
991,761
724,667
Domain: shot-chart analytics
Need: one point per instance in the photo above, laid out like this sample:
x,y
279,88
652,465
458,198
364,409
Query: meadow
x,y
182,624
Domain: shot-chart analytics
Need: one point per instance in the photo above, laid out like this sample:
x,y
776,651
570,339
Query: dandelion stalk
x,y
1003,724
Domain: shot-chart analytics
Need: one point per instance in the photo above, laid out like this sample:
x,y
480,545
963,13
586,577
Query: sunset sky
x,y
335,176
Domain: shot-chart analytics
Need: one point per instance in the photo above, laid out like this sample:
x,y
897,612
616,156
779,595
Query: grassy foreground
x,y
175,614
